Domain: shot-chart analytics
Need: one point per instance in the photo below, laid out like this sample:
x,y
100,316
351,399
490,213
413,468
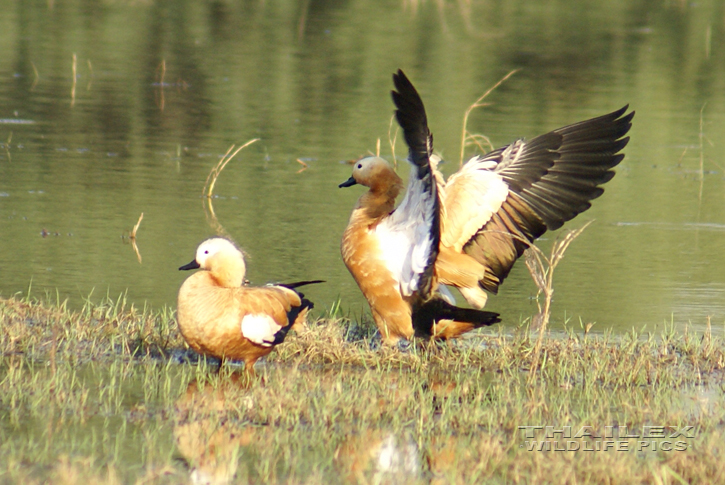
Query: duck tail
x,y
292,317
297,284
427,319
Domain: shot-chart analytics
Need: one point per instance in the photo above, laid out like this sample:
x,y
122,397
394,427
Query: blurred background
x,y
113,108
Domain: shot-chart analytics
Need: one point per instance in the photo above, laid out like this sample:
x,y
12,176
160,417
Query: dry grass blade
x,y
212,218
136,250
302,23
304,166
392,139
132,238
542,272
7,147
561,245
537,270
208,190
211,179
73,86
135,228
36,78
90,75
465,135
160,101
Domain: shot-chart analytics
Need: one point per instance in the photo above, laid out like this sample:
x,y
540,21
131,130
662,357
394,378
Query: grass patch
x,y
109,394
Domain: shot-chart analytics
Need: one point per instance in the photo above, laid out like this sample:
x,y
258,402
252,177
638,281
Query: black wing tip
x,y
625,120
306,304
411,116
619,115
621,120
405,92
401,81
291,318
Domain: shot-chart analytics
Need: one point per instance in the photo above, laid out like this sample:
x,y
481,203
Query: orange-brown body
x,y
213,306
361,254
484,216
210,316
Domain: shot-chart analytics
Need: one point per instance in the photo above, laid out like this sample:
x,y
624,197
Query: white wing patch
x,y
405,237
471,197
260,329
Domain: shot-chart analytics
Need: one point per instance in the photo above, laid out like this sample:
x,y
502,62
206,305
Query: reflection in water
x,y
215,434
211,436
213,439
209,441
163,88
378,456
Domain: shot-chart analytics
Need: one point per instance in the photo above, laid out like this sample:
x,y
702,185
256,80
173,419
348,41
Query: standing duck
x,y
220,317
468,231
391,252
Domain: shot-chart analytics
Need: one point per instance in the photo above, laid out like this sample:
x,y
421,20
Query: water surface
x,y
162,89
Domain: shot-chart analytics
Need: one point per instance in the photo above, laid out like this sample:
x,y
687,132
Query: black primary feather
x,y
559,173
414,122
291,317
411,116
552,177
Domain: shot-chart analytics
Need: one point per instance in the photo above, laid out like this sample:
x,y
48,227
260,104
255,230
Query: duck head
x,y
222,258
373,172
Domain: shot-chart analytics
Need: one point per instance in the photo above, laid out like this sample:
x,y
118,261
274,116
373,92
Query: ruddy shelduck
x,y
221,317
391,252
468,231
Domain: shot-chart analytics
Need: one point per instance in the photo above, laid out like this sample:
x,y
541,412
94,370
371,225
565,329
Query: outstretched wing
x,y
410,236
499,203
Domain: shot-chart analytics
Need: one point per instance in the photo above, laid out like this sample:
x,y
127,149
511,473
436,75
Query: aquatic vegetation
x,y
109,394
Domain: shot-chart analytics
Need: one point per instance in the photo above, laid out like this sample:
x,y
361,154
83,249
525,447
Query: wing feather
x,y
409,238
550,179
260,329
470,198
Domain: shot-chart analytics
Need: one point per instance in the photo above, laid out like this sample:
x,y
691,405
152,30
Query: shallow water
x,y
161,422
162,89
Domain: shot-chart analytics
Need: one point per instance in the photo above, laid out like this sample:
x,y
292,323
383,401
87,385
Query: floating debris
x,y
15,121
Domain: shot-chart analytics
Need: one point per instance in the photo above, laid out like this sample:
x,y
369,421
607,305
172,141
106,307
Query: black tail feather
x,y
297,284
436,309
291,317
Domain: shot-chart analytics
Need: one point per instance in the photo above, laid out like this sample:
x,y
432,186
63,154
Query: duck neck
x,y
229,271
379,201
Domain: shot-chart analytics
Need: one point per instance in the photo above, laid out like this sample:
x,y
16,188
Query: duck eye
x,y
206,252
359,165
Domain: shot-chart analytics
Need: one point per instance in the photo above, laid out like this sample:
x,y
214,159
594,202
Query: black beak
x,y
192,265
348,183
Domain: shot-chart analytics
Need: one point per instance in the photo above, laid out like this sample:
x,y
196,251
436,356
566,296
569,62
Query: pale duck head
x,y
372,172
222,259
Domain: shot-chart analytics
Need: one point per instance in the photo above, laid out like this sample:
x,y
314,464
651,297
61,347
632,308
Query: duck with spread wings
x,y
468,231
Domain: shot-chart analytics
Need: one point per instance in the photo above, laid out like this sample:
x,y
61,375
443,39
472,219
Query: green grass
x,y
108,394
